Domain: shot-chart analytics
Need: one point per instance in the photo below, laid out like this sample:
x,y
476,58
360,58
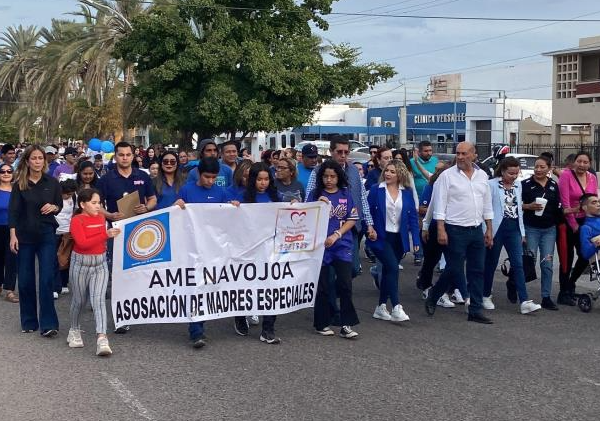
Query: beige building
x,y
576,88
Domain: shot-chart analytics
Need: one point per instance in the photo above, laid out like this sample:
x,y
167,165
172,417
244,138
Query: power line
x,y
359,14
420,53
413,8
380,7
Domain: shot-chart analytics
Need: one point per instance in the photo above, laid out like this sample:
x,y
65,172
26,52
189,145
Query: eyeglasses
x,y
169,161
342,152
6,171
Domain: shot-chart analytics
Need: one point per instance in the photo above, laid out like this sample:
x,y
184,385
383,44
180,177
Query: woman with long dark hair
x,y
509,231
35,200
574,183
149,158
260,189
332,187
169,180
86,175
8,260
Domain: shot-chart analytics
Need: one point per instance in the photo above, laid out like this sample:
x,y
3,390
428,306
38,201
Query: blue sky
x,y
421,47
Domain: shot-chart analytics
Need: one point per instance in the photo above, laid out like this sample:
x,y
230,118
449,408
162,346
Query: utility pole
x,y
403,139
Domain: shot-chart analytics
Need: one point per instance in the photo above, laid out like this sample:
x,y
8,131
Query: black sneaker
x,y
240,325
269,338
122,330
566,299
548,304
346,332
418,261
511,292
430,306
199,343
49,333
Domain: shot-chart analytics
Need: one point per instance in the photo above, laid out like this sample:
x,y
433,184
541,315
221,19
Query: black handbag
x,y
528,267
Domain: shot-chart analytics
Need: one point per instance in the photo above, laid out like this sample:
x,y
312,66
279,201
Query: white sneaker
x,y
381,312
398,314
467,303
487,303
529,307
253,320
445,302
55,295
400,267
102,347
425,293
64,290
74,338
457,297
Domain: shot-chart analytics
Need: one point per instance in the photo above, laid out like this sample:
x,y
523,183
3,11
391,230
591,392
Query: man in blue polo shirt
x,y
124,179
121,180
208,149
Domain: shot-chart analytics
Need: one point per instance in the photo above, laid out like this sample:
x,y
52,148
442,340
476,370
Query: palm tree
x,y
18,47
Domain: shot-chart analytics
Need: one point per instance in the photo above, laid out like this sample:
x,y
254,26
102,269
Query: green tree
x,y
213,66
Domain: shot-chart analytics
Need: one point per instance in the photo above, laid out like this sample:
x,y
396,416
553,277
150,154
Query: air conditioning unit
x,y
389,124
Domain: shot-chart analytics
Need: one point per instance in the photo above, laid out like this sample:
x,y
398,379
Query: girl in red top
x,y
88,267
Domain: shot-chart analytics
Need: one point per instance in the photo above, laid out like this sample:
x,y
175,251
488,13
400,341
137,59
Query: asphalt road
x,y
537,367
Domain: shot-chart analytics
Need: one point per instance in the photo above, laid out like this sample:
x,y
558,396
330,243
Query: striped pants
x,y
88,271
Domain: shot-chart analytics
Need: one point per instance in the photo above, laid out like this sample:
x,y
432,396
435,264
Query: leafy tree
x,y
213,66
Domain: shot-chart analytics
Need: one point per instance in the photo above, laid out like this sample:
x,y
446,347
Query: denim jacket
x,y
498,204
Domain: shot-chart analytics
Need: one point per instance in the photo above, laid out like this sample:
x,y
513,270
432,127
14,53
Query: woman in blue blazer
x,y
394,214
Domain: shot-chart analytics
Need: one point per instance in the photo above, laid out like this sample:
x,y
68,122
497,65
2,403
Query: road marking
x,y
590,381
127,396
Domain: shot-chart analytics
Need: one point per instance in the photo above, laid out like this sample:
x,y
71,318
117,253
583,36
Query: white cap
x,y
50,149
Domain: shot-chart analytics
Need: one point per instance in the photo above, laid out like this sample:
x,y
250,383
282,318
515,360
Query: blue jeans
x,y
509,237
389,256
196,330
45,249
544,239
465,244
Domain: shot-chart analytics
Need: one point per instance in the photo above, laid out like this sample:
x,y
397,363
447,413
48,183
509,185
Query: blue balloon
x,y
107,146
95,144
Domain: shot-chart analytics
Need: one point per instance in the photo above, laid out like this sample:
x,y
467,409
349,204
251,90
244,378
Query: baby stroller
x,y
585,301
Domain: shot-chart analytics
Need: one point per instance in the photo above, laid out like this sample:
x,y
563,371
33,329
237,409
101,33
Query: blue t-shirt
x,y
263,197
420,180
303,174
193,193
224,178
342,210
167,197
235,193
4,199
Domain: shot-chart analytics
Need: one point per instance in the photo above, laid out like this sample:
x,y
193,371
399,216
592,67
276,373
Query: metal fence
x,y
560,152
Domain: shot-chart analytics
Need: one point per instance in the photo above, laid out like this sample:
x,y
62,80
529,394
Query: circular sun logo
x,y
147,240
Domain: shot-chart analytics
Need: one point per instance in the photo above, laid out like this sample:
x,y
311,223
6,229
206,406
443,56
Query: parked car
x,y
526,161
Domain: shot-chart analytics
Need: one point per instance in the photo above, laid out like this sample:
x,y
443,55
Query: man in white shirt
x,y
462,204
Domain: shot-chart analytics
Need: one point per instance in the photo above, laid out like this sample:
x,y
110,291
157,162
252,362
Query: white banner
x,y
211,261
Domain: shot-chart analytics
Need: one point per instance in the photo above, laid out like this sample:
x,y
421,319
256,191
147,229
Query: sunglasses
x,y
370,166
6,171
342,152
169,161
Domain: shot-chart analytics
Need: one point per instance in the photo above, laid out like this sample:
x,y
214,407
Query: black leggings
x,y
8,261
569,274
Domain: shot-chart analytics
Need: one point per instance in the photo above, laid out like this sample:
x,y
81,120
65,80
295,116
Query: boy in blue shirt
x,y
203,191
591,227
